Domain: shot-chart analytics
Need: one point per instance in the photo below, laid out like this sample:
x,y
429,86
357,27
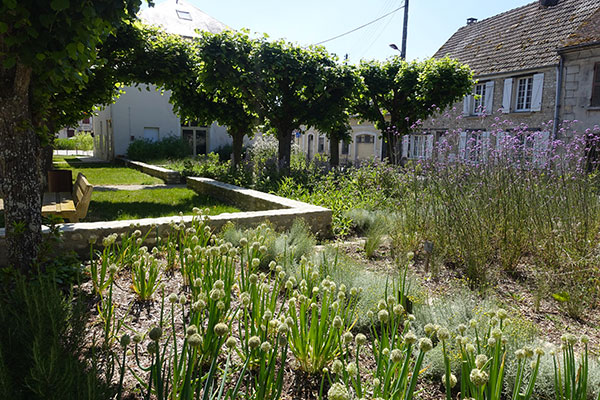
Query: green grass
x,y
150,203
104,173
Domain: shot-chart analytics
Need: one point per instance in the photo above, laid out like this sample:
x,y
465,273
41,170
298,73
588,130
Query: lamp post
x,y
404,33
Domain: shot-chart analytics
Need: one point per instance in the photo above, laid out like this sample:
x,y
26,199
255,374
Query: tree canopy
x,y
214,89
395,94
52,68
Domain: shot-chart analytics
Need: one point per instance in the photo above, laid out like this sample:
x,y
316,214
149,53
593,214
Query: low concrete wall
x,y
279,211
167,175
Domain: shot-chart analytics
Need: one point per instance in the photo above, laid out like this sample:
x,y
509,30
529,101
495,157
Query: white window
x,y
417,147
365,139
479,99
524,93
184,15
151,134
321,148
474,146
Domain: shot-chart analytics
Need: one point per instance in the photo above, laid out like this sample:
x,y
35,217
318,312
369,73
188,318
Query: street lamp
x,y
404,32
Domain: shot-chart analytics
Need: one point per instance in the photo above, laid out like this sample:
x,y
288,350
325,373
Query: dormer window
x,y
184,15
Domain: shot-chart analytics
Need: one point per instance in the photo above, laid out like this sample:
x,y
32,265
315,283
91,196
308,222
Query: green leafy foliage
x,y
396,94
42,346
166,148
81,141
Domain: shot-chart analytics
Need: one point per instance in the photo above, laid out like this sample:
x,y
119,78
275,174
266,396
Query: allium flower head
x,y
337,366
360,339
480,360
191,330
453,380
478,377
195,340
425,344
410,337
338,391
352,369
221,329
443,334
125,340
253,342
155,334
383,316
396,356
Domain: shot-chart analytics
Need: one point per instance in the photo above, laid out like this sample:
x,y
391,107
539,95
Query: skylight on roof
x,y
184,15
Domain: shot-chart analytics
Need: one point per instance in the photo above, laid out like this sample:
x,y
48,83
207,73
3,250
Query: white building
x,y
85,125
144,111
365,144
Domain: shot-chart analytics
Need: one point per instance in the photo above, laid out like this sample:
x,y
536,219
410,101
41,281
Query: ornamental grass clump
x,y
570,375
145,275
120,253
318,314
483,361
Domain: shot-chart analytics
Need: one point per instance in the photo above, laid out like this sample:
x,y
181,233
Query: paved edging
x,y
167,175
279,211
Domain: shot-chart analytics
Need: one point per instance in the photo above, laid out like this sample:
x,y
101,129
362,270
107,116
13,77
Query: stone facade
x,y
456,119
577,88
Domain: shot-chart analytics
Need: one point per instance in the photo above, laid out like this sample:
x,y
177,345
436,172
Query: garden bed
x,y
435,301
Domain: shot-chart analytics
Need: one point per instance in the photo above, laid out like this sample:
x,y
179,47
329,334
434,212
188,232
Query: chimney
x,y
471,21
548,3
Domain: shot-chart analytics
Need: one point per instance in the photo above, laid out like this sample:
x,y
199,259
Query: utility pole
x,y
404,31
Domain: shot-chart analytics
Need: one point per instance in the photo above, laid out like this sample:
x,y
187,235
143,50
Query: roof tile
x,y
523,38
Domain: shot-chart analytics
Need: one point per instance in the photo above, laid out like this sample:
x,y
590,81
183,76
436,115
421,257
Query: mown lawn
x,y
150,203
105,173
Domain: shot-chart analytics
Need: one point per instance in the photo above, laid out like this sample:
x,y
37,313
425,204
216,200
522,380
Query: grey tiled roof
x,y
523,38
587,33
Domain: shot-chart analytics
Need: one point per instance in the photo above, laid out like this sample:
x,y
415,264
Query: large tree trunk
x,y
334,151
285,148
238,143
20,152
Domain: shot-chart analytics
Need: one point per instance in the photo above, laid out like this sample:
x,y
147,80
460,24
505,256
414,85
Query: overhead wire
x,y
371,32
360,27
378,36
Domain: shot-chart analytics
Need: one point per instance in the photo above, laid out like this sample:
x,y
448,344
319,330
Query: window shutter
x,y
541,143
405,146
467,105
462,145
536,93
507,95
488,102
485,146
429,146
500,137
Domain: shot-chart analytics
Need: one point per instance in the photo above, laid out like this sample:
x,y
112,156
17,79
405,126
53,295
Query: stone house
x,y
143,111
536,66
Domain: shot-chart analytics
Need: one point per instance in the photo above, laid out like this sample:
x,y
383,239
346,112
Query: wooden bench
x,y
72,206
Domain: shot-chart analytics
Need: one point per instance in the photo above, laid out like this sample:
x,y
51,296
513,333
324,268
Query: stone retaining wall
x,y
167,175
279,211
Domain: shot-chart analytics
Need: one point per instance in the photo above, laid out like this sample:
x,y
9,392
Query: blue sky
x,y
430,22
